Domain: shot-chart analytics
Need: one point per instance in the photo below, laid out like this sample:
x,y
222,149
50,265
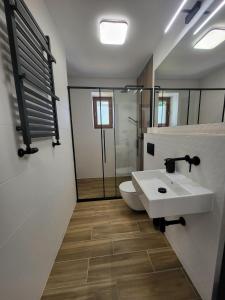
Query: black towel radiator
x,y
32,63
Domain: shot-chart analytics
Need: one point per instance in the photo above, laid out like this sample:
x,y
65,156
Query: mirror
x,y
190,82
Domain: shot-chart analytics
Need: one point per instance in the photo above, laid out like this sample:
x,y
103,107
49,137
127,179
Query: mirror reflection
x,y
189,84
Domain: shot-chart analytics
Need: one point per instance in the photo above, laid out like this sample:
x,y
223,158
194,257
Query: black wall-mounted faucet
x,y
170,162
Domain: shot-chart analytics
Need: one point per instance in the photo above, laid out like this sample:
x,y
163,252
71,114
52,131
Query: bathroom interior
x,y
112,174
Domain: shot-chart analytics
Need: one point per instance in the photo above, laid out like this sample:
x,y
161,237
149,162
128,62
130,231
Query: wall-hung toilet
x,y
130,196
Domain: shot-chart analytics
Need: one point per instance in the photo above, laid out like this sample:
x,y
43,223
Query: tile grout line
x,y
156,249
87,270
150,260
132,276
122,253
117,290
113,249
91,233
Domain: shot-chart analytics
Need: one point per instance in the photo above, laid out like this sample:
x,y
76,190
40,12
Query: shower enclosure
x,y
108,126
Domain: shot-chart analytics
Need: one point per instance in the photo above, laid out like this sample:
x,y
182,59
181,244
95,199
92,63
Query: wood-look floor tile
x,y
115,266
86,249
91,221
102,291
164,260
127,215
92,204
118,202
83,213
76,235
148,241
93,187
146,226
157,286
114,230
67,274
112,211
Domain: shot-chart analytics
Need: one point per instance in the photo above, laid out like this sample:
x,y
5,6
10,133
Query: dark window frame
x,y
167,100
95,112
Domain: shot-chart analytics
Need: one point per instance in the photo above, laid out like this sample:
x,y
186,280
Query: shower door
x,y
126,130
87,145
107,121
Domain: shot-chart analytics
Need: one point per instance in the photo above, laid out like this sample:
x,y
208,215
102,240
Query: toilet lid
x,y
127,186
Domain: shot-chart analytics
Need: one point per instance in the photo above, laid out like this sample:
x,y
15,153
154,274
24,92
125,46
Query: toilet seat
x,y
127,187
130,196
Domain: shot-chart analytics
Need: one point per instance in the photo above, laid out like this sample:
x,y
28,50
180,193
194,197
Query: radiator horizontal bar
x,y
39,109
39,115
39,86
28,32
44,134
37,101
23,34
31,23
37,95
34,64
33,81
35,121
25,47
27,61
26,68
41,128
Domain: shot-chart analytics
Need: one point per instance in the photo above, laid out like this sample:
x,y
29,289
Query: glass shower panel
x,y
206,113
192,117
106,110
87,144
126,129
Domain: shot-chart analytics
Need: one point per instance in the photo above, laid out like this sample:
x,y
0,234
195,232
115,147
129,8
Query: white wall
x,y
199,244
177,83
212,101
37,193
102,82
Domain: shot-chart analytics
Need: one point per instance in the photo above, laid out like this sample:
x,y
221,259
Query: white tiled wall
x,y
37,193
198,245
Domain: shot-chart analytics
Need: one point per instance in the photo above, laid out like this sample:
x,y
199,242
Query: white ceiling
x,y
78,20
185,62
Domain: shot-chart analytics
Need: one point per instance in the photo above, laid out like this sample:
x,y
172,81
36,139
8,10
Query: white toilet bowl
x,y
130,196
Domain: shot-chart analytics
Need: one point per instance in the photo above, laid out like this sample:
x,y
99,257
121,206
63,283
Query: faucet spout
x,y
171,166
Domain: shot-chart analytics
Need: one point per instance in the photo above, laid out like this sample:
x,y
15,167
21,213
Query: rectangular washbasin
x,y
180,195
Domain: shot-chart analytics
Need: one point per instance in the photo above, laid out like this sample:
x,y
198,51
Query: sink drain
x,y
162,190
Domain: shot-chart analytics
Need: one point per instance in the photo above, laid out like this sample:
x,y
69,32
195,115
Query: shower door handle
x,y
104,148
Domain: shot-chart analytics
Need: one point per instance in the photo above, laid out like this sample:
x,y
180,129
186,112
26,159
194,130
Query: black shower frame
x,y
99,89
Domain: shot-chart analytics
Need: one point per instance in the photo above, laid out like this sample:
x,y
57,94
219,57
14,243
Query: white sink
x,y
183,196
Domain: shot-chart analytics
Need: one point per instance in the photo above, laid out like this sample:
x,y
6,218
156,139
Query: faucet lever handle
x,y
194,161
190,164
